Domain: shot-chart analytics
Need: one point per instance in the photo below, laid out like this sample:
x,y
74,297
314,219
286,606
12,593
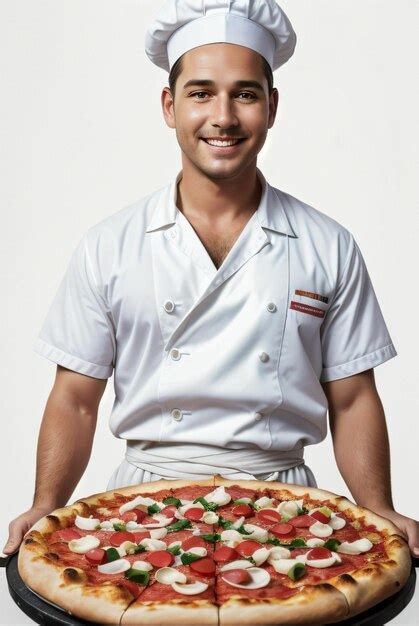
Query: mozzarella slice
x,y
161,520
114,567
355,547
320,563
152,544
232,535
260,556
192,505
84,544
235,525
174,544
132,525
321,530
315,542
244,500
158,533
170,575
261,534
86,523
218,496
190,589
138,503
210,517
232,544
264,502
290,508
106,525
198,551
129,547
283,566
116,520
336,522
259,578
239,564
143,566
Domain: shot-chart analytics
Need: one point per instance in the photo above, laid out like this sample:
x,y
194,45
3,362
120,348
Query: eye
x,y
246,93
197,93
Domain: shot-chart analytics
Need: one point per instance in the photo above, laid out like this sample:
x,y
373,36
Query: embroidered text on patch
x,y
310,294
306,308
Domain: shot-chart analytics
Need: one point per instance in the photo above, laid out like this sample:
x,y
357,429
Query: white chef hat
x,y
185,24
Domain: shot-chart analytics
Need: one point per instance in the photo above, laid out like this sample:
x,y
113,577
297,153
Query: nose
x,y
223,114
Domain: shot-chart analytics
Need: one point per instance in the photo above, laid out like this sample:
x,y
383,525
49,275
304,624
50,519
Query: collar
x,y
271,211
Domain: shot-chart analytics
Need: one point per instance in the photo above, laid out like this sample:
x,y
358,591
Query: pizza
x,y
215,552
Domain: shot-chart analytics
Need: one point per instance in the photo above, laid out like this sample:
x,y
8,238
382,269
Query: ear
x,y
273,106
167,103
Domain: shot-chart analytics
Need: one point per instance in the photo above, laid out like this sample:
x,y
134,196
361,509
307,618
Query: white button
x,y
264,357
176,414
271,307
169,306
173,234
175,354
258,416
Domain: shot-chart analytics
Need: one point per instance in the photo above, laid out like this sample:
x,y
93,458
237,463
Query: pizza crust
x,y
317,604
191,613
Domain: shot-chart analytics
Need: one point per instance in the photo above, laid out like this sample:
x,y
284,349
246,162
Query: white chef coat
x,y
217,370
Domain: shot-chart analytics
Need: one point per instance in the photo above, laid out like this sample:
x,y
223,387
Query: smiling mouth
x,y
219,143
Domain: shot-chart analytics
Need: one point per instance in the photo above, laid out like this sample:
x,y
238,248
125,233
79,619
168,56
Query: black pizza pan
x,y
45,613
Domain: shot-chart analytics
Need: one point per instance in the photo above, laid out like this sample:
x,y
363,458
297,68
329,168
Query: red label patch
x,y
306,308
313,296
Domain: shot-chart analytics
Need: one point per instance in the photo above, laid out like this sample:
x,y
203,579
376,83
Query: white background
x,y
82,135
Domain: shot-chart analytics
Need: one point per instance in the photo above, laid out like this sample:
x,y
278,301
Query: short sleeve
x,y
78,331
354,334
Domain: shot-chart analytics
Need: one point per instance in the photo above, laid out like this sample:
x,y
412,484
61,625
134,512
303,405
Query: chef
x,y
231,314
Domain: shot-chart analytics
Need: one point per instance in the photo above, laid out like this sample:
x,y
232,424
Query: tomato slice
x,y
138,536
238,576
169,511
247,547
97,556
302,521
269,516
283,530
129,516
320,517
132,587
243,510
203,566
160,558
140,515
68,534
224,554
120,536
193,542
194,514
318,553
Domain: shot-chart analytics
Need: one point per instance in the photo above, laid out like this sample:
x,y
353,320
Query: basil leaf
x,y
139,548
180,525
297,571
212,537
112,554
189,557
172,500
154,508
119,526
175,550
138,576
208,506
251,504
295,543
332,544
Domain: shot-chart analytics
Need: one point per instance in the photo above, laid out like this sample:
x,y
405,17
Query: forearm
x,y
362,451
64,448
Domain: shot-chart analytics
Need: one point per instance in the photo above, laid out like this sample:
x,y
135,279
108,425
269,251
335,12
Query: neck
x,y
220,201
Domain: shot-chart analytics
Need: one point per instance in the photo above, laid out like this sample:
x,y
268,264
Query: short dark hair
x,y
178,66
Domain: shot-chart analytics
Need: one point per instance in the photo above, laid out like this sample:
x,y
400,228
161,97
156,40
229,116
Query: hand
x,y
21,524
409,528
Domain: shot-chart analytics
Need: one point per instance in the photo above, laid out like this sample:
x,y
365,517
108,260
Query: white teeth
x,y
217,142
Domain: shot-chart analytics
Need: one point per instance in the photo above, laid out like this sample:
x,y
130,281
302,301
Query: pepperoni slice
x,y
68,534
242,510
269,516
129,516
138,536
247,547
169,511
132,587
194,514
160,558
318,553
320,517
302,521
203,566
224,554
237,576
120,536
97,556
193,542
283,530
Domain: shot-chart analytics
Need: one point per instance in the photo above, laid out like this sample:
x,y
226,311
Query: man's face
x,y
223,108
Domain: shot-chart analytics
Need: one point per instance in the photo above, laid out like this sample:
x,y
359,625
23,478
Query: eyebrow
x,y
210,83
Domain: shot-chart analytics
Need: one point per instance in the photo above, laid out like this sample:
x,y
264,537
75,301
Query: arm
x,y
64,447
361,446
